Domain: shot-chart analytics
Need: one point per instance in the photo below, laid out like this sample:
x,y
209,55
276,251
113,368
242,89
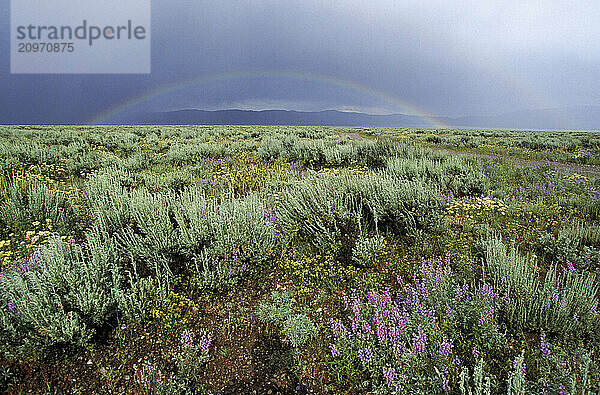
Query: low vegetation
x,y
166,259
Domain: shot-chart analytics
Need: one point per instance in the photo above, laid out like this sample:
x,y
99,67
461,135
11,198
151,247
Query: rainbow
x,y
398,103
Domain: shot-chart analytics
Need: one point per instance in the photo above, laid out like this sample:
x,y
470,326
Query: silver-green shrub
x,y
517,384
322,208
62,295
449,172
109,200
564,303
37,203
333,151
568,249
581,233
166,234
481,382
365,250
225,239
297,329
399,206
325,207
278,310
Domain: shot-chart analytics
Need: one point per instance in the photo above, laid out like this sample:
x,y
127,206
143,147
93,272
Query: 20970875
x,y
46,47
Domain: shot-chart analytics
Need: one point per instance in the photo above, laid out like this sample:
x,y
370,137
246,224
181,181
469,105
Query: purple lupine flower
x,y
476,353
424,291
488,291
431,317
365,354
445,384
381,333
34,257
186,339
372,297
387,313
576,317
334,350
488,316
338,328
446,347
588,258
544,346
390,375
146,374
367,328
456,361
419,342
356,307
562,390
394,333
449,312
205,342
355,325
385,300
438,275
523,368
426,268
397,348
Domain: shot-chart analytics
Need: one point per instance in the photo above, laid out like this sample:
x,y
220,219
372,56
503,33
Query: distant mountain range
x,y
572,118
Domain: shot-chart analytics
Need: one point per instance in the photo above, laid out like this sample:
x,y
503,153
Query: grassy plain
x,y
216,259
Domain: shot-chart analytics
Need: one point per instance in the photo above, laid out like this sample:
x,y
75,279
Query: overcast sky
x,y
379,56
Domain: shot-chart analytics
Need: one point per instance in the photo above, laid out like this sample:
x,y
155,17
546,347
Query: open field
x,y
215,259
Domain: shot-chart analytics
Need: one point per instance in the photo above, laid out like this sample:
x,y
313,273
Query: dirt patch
x,y
354,136
248,358
269,372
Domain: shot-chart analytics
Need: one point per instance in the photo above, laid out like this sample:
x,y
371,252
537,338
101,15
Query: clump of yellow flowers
x,y
19,246
485,205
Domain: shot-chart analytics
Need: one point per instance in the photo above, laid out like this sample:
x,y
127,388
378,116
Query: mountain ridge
x,y
572,118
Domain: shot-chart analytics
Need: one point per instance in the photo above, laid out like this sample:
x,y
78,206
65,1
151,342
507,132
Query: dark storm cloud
x,y
448,58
